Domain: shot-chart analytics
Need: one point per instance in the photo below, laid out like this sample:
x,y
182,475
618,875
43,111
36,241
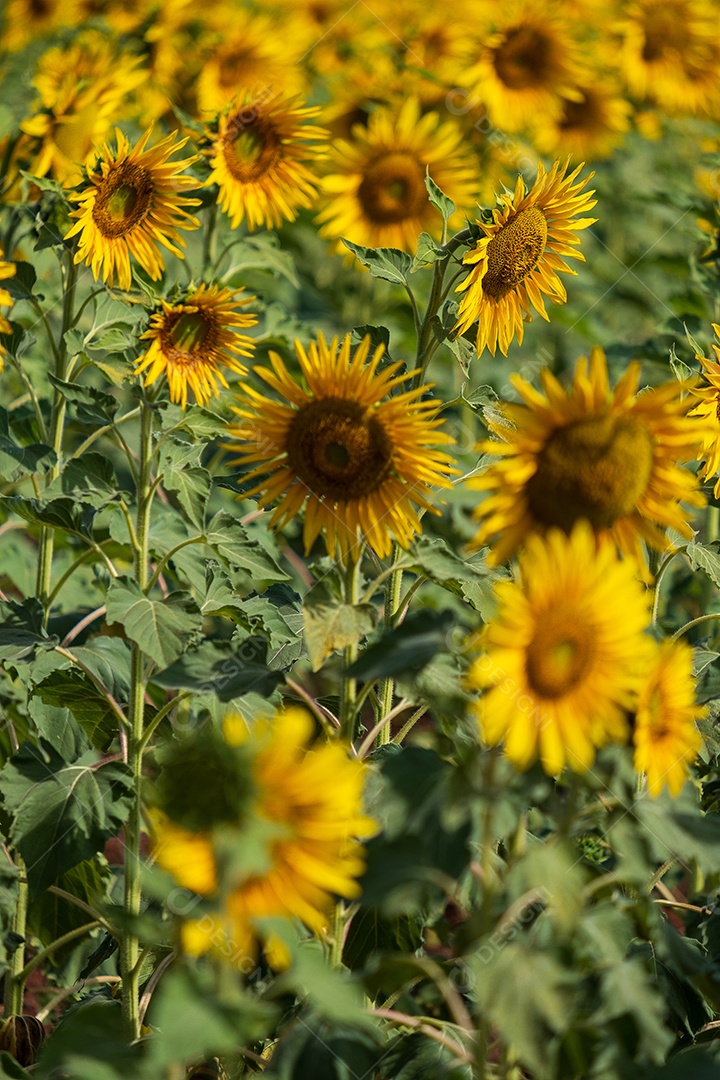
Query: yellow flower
x,y
565,657
260,161
24,20
588,452
666,738
356,458
7,270
527,63
375,192
309,798
708,413
589,125
132,204
83,90
518,259
191,341
669,54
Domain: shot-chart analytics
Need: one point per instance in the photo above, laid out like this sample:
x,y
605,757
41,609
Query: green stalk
x,y
132,903
393,588
14,982
348,688
57,424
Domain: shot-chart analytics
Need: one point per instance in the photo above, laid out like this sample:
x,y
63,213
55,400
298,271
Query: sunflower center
x,y
253,148
656,713
580,114
187,336
525,58
559,654
337,450
597,468
515,251
665,33
123,199
393,188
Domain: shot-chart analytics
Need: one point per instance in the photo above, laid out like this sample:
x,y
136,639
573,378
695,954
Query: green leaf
x,y
230,541
57,725
95,1028
406,648
192,488
386,263
279,613
91,406
680,369
21,629
228,670
10,1070
44,183
705,557
69,515
62,812
331,624
162,628
439,200
333,993
427,252
17,461
262,252
50,916
9,890
198,421
480,398
21,284
70,691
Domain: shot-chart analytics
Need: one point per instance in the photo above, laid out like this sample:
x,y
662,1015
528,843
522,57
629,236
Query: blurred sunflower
x,y
588,452
130,205
308,800
375,192
357,459
518,259
568,639
670,54
261,158
26,20
527,63
7,270
257,59
193,340
708,412
589,125
665,735
84,89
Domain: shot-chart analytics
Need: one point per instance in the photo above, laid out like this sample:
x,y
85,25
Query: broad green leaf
x,y
62,812
221,598
262,252
230,541
69,515
228,670
21,629
21,284
439,200
91,406
427,252
17,461
331,624
279,612
43,183
162,628
406,648
333,993
57,725
51,915
71,691
198,421
192,488
705,557
386,263
10,1070
91,1037
334,1051
9,889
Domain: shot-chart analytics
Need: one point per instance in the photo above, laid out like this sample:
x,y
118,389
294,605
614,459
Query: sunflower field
x,y
360,540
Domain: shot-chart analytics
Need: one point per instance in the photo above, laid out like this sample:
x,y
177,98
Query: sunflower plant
x,y
358,629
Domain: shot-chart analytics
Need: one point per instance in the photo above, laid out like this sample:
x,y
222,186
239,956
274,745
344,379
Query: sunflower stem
x,y
14,983
393,588
57,424
210,240
348,689
132,902
338,934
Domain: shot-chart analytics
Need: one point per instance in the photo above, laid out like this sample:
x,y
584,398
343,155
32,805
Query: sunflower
x,y
191,342
527,63
375,189
518,259
25,20
83,90
356,461
708,413
669,54
666,738
306,803
589,125
565,656
7,270
607,456
262,158
131,204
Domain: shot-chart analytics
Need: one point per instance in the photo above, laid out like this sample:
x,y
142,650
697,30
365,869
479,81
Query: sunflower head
x,y
707,414
517,260
359,459
7,270
609,457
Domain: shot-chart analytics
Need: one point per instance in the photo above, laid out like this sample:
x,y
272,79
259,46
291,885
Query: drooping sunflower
x,y
262,161
375,191
669,54
589,126
360,461
527,63
306,802
517,261
131,204
566,655
610,457
708,414
191,342
665,735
